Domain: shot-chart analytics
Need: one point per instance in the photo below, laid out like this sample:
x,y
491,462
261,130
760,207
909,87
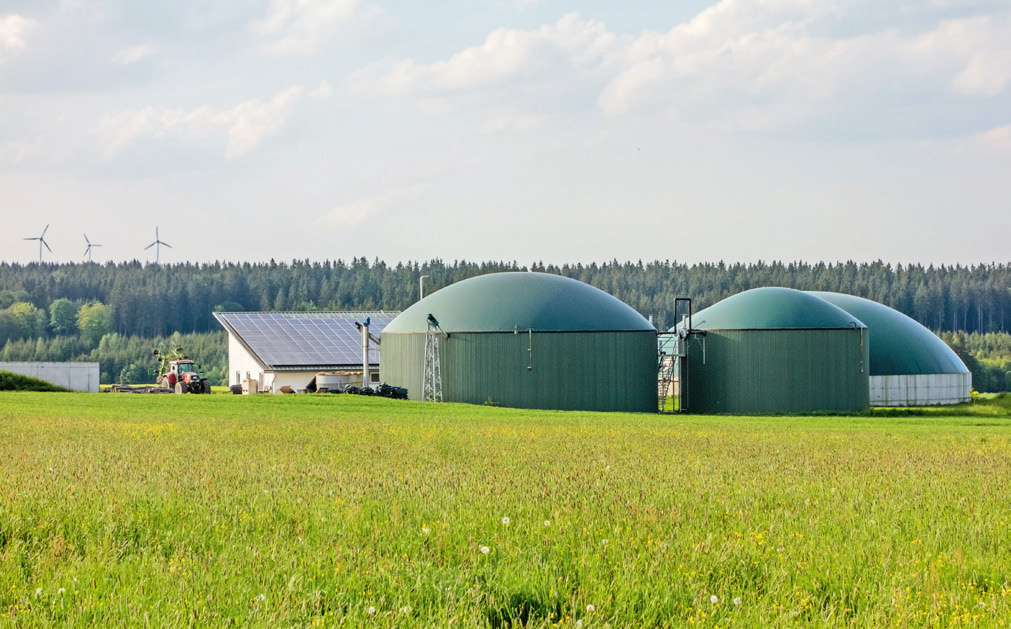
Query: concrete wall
x,y
920,390
76,376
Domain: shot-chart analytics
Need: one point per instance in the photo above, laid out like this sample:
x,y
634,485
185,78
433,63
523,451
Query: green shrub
x,y
10,381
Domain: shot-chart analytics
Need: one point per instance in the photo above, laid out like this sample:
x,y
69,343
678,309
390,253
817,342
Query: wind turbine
x,y
157,246
87,251
42,241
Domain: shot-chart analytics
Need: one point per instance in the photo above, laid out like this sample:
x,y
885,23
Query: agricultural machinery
x,y
179,373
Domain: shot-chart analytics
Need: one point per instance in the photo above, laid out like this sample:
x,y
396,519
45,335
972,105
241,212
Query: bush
x,y
10,381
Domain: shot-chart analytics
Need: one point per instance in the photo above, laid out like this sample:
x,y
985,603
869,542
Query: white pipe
x,y
365,356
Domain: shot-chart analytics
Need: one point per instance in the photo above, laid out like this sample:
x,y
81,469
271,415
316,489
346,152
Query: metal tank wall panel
x,y
777,371
598,371
920,390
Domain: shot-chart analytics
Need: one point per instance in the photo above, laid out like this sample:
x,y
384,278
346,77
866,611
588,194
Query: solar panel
x,y
284,339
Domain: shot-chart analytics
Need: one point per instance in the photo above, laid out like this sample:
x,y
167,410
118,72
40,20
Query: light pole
x,y
421,287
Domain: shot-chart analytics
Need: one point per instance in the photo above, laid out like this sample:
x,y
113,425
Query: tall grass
x,y
322,510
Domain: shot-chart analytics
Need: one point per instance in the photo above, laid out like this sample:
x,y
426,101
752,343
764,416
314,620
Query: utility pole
x,y
421,286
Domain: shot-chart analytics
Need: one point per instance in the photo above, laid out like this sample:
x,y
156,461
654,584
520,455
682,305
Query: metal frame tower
x,y
431,390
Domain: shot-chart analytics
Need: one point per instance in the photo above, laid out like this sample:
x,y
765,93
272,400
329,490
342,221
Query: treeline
x,y
988,357
152,299
56,306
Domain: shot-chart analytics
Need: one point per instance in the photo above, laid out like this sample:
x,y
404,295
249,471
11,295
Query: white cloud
x,y
302,26
741,64
356,213
242,127
571,45
13,31
133,54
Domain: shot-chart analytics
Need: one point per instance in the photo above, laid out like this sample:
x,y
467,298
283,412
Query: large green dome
x,y
899,345
504,302
774,308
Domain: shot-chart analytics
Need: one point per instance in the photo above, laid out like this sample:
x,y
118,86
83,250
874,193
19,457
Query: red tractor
x,y
180,373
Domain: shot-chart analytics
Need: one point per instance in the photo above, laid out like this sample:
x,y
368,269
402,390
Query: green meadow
x,y
296,511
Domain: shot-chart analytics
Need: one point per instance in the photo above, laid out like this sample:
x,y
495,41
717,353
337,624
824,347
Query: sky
x,y
527,130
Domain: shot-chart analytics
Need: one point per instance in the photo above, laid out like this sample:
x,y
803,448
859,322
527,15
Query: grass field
x,y
326,510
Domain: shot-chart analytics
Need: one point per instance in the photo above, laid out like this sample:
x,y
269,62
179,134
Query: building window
x,y
375,377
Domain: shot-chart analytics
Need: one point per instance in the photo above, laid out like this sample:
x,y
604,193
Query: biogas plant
x,y
543,341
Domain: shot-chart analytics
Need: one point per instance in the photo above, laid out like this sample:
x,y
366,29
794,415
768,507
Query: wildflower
x,y
61,590
505,521
714,599
426,530
485,550
372,610
405,610
261,597
579,623
547,522
604,541
38,591
737,601
590,609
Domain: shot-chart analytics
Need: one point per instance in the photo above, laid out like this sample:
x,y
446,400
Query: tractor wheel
x,y
164,383
180,387
205,386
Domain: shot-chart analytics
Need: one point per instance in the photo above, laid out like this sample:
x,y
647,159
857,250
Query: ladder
x,y
667,369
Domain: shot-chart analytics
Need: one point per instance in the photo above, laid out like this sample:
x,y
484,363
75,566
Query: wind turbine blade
x,y
156,236
151,245
47,245
167,245
44,232
86,240
86,252
91,245
31,238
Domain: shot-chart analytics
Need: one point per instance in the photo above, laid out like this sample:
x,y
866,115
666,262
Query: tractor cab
x,y
179,367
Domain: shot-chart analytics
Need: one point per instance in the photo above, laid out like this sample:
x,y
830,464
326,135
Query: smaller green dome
x,y
774,308
899,345
504,302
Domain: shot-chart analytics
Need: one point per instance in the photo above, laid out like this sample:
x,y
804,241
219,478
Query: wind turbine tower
x,y
42,241
157,246
87,252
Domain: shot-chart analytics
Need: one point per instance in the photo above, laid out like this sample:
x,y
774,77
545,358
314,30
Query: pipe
x,y
365,355
530,350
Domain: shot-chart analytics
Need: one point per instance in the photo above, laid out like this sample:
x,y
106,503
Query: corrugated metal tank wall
x,y
777,371
600,371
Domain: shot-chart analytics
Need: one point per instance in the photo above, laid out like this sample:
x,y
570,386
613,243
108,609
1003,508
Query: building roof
x,y
504,302
898,344
774,308
305,340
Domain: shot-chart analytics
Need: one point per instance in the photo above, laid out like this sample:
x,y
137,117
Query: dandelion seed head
x,y
426,530
372,610
579,623
485,550
737,601
38,591
547,522
714,599
262,597
405,610
505,521
590,609
61,590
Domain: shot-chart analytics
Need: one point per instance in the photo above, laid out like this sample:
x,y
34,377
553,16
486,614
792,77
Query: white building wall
x,y
921,390
241,363
75,376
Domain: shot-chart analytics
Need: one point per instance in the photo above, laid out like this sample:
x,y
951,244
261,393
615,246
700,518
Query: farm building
x,y
73,376
526,340
277,349
909,364
775,350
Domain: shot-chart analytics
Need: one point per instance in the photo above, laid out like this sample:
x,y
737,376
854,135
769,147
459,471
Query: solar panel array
x,y
285,339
